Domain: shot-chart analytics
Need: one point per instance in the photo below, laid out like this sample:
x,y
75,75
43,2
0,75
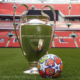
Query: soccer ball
x,y
50,66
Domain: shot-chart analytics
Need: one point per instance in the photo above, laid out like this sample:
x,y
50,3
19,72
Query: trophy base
x,y
33,69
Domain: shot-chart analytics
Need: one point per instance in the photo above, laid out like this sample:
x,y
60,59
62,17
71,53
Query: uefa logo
x,y
38,29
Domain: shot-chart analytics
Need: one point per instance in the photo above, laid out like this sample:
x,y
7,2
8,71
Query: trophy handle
x,y
22,16
54,16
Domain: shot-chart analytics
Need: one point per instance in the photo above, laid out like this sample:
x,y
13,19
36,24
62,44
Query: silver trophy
x,y
35,36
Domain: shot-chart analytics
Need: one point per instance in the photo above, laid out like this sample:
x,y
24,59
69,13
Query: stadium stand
x,y
64,42
78,41
3,41
63,33
7,8
13,43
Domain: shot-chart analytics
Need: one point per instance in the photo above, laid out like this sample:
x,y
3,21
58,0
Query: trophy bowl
x,y
35,36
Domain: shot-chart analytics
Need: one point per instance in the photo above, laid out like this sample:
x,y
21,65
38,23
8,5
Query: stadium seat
x,y
4,33
3,41
64,42
13,43
63,33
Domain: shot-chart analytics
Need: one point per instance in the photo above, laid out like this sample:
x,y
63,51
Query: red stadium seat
x,y
3,41
64,42
4,33
64,33
13,43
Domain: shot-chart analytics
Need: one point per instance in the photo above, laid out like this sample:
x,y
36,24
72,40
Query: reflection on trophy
x,y
40,44
35,36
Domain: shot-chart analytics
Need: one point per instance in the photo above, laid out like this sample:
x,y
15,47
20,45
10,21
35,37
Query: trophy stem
x,y
33,68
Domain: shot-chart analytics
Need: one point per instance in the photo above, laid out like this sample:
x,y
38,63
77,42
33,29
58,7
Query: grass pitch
x,y
13,63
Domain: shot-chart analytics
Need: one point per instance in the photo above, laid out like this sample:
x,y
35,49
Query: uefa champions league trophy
x,y
35,36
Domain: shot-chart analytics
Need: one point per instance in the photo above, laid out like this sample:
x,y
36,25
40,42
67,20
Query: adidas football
x,y
50,66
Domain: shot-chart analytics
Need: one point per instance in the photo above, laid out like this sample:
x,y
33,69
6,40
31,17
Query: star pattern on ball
x,y
42,67
56,67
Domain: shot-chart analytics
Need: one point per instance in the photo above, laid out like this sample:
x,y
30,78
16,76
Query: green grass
x,y
13,63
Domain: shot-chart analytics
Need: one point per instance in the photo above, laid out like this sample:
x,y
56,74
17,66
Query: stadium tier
x,y
62,26
3,41
7,25
64,42
8,21
6,8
